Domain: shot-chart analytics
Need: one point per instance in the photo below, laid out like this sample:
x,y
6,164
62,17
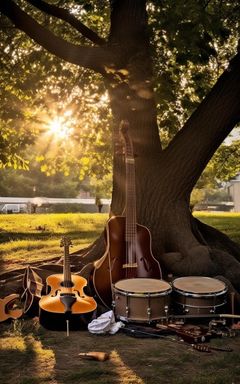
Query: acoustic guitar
x,y
9,308
66,302
128,251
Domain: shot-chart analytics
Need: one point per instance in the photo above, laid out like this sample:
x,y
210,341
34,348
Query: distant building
x,y
14,208
234,192
50,204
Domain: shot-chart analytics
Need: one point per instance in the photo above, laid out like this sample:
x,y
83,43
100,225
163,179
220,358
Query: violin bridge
x,y
133,265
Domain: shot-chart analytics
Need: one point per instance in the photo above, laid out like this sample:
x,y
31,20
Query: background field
x,y
25,238
29,354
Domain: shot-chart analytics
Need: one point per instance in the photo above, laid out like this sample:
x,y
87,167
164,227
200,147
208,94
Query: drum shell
x,y
141,307
188,303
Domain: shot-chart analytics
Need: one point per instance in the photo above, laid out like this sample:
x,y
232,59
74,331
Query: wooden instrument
x,y
128,244
9,309
66,299
190,334
33,286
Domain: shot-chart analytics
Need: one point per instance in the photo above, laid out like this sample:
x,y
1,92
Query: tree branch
x,y
206,129
65,15
89,57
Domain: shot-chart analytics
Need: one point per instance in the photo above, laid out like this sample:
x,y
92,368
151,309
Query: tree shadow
x,y
24,360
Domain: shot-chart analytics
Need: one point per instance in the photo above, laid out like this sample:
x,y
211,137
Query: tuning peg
x,y
124,125
65,242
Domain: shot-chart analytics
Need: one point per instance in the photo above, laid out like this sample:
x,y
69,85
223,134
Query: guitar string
x,y
131,211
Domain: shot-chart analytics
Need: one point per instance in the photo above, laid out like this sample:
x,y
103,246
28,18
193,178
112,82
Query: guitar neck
x,y
130,230
67,268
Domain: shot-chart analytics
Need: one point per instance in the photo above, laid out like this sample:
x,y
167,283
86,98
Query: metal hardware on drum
x,y
142,300
186,308
198,295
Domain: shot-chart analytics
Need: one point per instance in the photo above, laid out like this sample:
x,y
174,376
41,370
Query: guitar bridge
x,y
133,265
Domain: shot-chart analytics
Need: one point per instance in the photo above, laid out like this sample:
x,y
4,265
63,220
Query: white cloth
x,y
105,324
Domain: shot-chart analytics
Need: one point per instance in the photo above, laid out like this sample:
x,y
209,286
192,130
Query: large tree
x,y
165,175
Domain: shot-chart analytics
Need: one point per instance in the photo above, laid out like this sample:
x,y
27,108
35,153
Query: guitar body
x,y
53,303
7,308
66,302
115,265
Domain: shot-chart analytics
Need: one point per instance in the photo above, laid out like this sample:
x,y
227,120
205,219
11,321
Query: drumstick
x,y
221,315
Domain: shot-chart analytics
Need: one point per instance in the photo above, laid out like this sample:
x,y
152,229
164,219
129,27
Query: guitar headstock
x,y
65,242
124,126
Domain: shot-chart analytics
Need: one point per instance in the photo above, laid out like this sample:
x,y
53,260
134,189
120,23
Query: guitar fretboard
x,y
67,281
131,221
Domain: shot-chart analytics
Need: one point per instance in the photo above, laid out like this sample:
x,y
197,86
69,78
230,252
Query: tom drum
x,y
194,295
141,299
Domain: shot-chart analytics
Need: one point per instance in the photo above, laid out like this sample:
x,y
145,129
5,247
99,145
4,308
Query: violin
x,y
9,308
66,302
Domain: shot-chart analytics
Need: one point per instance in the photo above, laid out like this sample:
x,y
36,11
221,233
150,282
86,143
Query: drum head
x,y
199,284
142,285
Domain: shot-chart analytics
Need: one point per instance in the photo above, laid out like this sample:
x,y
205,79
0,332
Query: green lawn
x,y
26,238
35,237
228,222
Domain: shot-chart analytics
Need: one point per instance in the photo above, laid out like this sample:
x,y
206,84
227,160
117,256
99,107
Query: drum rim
x,y
142,294
200,295
168,286
201,306
203,294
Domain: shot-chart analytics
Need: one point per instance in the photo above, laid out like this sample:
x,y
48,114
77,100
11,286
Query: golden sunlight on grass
x,y
31,238
16,343
23,357
126,374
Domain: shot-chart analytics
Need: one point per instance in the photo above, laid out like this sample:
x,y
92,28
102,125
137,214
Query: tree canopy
x,y
191,44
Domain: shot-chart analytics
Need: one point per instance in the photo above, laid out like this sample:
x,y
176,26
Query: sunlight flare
x,y
60,129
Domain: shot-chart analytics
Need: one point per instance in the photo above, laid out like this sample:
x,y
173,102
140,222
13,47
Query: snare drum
x,y
194,295
141,299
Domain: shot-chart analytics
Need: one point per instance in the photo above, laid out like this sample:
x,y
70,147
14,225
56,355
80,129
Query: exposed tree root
x,y
214,238
195,261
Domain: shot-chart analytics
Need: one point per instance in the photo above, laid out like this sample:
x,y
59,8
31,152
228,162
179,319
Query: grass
x,y
228,223
29,238
30,354
40,356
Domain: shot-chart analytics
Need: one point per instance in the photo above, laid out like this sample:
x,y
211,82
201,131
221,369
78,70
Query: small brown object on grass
x,y
99,356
